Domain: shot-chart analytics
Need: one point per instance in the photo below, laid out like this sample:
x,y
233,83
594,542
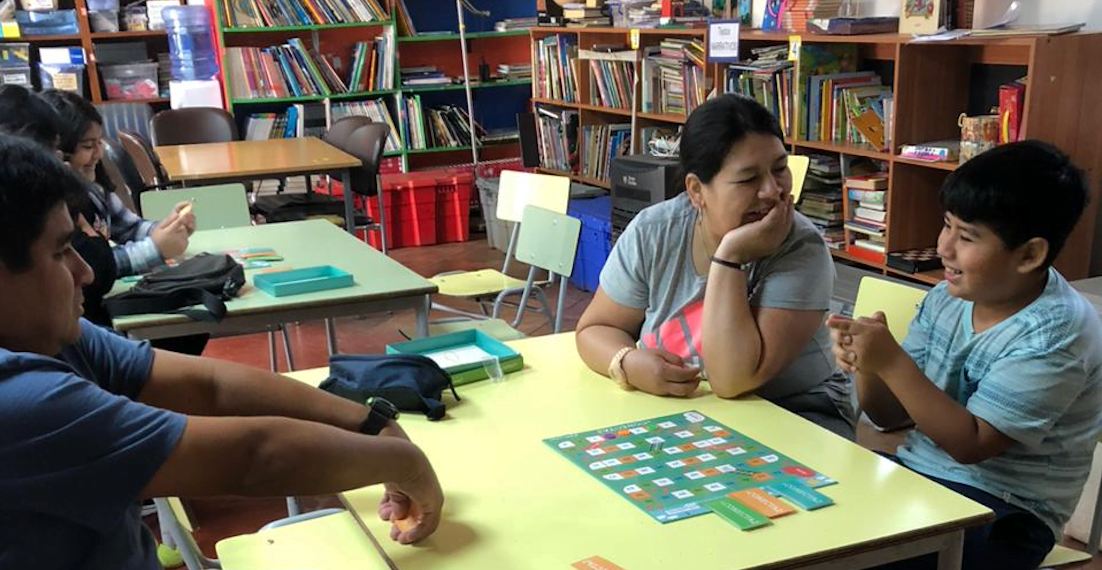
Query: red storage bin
x,y
389,165
411,211
453,208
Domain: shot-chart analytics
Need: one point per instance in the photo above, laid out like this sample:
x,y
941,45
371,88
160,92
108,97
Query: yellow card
x,y
794,43
633,38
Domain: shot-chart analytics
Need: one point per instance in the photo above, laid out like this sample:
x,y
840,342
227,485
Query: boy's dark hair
x,y
716,126
77,116
24,114
32,183
1021,191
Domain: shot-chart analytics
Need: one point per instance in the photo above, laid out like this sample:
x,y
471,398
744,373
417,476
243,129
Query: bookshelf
x,y
156,42
932,83
495,102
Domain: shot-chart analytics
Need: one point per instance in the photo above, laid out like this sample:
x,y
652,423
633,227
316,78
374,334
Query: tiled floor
x,y
223,517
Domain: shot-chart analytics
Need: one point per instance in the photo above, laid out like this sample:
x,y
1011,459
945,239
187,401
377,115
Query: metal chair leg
x,y
287,348
331,336
382,214
273,361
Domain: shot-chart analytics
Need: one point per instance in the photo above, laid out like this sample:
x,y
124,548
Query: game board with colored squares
x,y
672,466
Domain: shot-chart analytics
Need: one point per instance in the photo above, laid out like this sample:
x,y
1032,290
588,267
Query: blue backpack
x,y
412,383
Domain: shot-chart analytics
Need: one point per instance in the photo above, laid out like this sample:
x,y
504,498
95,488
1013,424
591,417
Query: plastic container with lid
x,y
98,5
64,77
56,23
103,21
16,75
190,42
130,81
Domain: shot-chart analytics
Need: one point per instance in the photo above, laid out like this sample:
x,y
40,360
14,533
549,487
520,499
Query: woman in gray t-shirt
x,y
725,281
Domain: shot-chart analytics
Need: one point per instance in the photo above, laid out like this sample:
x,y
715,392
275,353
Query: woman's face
x,y
754,178
88,152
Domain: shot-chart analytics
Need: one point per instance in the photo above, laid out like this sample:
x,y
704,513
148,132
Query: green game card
x,y
736,514
805,497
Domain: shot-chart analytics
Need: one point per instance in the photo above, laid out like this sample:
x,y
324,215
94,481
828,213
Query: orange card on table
x,y
404,524
762,502
595,563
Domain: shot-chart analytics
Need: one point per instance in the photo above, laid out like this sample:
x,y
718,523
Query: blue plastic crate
x,y
305,280
595,242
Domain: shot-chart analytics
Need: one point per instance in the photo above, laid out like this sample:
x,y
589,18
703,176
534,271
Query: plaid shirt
x,y
135,253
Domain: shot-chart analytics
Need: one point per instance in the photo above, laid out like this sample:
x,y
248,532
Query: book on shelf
x,y
375,109
612,83
867,214
870,245
514,71
511,24
557,134
865,227
849,108
269,13
300,119
821,200
372,64
557,68
937,151
672,77
1011,109
442,126
403,19
878,181
602,143
819,60
288,70
423,76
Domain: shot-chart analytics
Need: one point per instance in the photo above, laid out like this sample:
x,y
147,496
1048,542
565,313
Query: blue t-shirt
x,y
76,449
1035,377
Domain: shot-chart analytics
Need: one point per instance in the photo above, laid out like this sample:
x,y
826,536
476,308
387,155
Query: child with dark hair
x,y
1001,368
143,245
726,280
24,114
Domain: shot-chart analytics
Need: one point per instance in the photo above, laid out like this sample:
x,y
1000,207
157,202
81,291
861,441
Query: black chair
x,y
192,126
128,179
368,143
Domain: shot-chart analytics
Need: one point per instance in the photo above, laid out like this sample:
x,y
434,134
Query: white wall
x,y
1033,11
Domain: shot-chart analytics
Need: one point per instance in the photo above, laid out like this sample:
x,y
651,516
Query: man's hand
x,y
658,372
171,236
864,344
759,239
413,506
184,213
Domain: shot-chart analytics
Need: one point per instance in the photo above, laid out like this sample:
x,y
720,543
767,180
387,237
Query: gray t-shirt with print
x,y
651,268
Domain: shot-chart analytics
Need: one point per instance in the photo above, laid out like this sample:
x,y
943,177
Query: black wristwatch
x,y
380,412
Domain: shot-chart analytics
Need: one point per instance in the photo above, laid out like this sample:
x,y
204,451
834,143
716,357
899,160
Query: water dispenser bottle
x,y
190,42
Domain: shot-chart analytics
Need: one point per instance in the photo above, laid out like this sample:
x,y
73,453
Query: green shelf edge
x,y
455,36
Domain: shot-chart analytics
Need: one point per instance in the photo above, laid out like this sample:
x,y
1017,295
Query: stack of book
x,y
579,15
868,219
443,126
556,66
557,138
673,78
797,13
514,71
267,13
611,78
372,65
424,76
510,24
821,200
852,107
375,109
288,70
602,143
300,120
767,78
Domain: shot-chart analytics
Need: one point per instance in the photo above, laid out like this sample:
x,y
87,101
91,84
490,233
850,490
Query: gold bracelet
x,y
616,369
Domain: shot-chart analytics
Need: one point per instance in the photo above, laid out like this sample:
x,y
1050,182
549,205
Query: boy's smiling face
x,y
979,267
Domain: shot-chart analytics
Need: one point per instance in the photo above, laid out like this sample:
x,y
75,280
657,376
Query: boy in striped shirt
x,y
1000,371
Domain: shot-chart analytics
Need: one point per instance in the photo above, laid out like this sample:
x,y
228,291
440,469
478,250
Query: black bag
x,y
410,382
206,279
296,207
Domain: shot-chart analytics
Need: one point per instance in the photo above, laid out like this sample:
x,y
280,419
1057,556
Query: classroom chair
x,y
130,179
547,240
216,207
489,287
149,164
125,116
367,143
899,303
193,125
320,540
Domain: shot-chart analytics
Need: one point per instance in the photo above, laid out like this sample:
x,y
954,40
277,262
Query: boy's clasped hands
x,y
864,344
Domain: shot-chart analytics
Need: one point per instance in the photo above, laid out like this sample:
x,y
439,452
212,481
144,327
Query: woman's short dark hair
x,y
77,116
717,126
1021,191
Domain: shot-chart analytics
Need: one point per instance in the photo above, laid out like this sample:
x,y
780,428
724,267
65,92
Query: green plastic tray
x,y
463,372
305,280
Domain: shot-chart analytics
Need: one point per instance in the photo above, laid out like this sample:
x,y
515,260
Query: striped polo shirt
x,y
1035,377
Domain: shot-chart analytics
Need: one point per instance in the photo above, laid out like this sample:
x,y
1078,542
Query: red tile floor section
x,y
218,518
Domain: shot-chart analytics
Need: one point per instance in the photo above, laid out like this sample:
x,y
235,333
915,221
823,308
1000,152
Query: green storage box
x,y
461,354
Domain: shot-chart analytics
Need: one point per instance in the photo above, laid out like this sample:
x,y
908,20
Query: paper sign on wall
x,y
723,41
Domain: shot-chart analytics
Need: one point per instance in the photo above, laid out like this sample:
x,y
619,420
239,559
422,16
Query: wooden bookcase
x,y
933,84
441,50
156,42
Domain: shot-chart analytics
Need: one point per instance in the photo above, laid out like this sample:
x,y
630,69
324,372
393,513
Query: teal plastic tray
x,y
305,280
463,373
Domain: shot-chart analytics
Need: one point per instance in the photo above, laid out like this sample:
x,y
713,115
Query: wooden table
x,y
512,502
382,284
239,161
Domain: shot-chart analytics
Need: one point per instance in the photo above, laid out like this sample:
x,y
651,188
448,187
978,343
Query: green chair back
x,y
548,240
898,302
215,207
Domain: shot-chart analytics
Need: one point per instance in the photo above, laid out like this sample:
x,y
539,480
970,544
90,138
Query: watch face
x,y
384,407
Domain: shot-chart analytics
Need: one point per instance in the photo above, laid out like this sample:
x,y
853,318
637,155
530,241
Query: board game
x,y
671,467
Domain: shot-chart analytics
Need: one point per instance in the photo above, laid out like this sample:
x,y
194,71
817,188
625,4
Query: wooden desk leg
x,y
949,557
349,214
423,317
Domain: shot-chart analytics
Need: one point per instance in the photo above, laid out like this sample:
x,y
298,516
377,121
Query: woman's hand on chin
x,y
755,240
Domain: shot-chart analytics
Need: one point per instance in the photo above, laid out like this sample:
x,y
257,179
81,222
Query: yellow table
x,y
239,161
382,284
512,502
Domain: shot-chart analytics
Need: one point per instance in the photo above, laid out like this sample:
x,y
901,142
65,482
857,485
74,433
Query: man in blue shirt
x,y
90,423
1001,370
